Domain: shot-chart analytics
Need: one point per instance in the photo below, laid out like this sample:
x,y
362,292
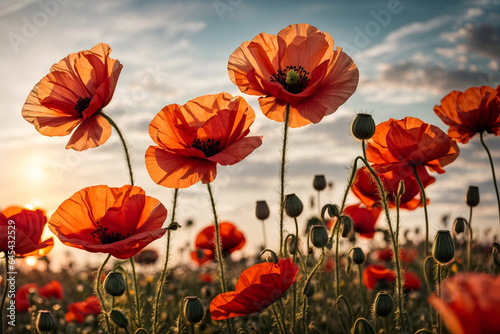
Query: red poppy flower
x,y
22,301
202,256
232,239
412,281
401,144
119,221
405,255
375,273
364,219
257,288
27,226
300,67
470,303
192,139
72,96
329,264
77,311
52,289
146,256
473,111
365,188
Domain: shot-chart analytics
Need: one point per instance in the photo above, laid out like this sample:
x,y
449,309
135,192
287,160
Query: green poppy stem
x,y
125,146
423,199
469,244
492,172
4,295
282,177
163,275
138,307
218,249
99,294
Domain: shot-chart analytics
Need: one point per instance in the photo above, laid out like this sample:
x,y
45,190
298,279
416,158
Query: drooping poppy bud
x,y
358,256
45,322
114,284
319,182
319,236
309,290
363,126
293,205
346,225
292,244
472,196
193,309
459,225
443,249
262,210
383,304
119,318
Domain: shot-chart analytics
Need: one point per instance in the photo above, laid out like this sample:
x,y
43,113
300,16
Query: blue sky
x,y
410,54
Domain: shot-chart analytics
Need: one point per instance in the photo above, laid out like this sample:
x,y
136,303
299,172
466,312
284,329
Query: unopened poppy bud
x,y
293,205
319,236
274,257
358,256
346,225
443,249
309,290
193,309
383,304
44,321
292,77
319,182
262,210
173,226
118,318
292,245
472,196
114,284
363,126
333,210
401,188
459,225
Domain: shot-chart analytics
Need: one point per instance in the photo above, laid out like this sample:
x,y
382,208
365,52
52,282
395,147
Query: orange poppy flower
x,y
470,303
375,273
192,139
405,255
473,111
201,256
300,67
77,311
118,221
52,289
365,188
27,225
21,297
400,144
364,218
72,96
257,288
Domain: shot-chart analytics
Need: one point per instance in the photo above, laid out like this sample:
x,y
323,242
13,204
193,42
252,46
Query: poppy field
x,y
325,276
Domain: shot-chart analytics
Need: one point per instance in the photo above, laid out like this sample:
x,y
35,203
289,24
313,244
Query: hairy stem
x,y
282,177
423,199
4,295
138,307
469,244
99,294
492,172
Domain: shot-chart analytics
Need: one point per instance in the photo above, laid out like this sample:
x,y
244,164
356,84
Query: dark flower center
x,y
102,235
82,104
210,146
294,79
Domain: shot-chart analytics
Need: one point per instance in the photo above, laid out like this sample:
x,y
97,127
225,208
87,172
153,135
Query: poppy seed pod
x,y
472,196
309,290
459,225
44,321
319,236
193,309
293,205
358,256
443,249
292,245
333,210
319,182
363,126
346,225
118,318
262,210
383,304
114,284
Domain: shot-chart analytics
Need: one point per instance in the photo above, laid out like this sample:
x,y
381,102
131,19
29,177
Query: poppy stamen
x,y
82,104
209,147
102,235
294,78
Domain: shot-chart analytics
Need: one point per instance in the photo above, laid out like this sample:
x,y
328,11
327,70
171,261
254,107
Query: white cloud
x,y
493,65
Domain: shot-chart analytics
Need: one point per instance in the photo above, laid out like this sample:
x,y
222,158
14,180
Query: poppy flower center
x,y
209,147
102,235
294,79
82,104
